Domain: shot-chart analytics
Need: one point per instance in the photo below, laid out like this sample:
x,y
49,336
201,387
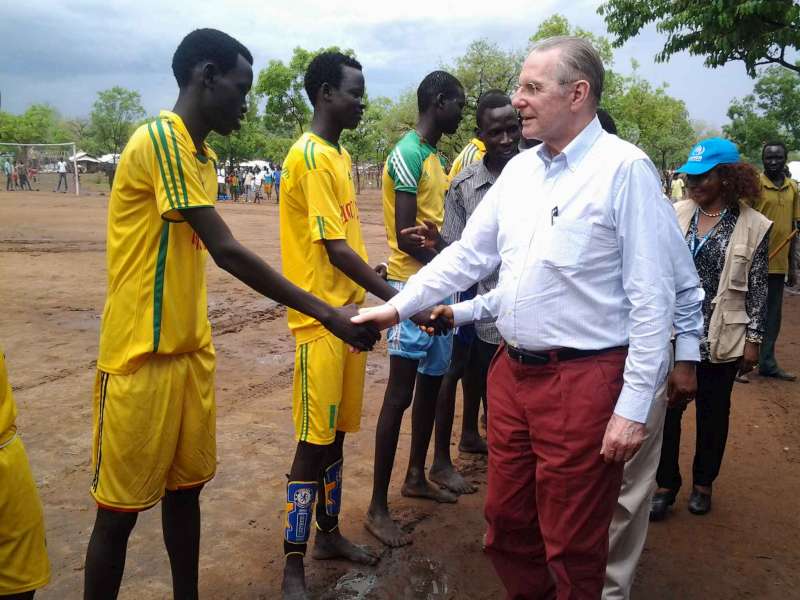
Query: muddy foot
x,y
473,446
383,527
424,489
334,545
294,583
452,480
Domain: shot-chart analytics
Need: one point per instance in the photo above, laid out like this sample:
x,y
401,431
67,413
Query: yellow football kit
x,y
154,425
414,167
318,202
472,152
23,553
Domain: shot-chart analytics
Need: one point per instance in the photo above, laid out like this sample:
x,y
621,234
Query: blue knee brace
x,y
333,489
300,497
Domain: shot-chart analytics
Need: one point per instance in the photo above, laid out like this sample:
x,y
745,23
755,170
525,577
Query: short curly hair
x,y
206,44
435,83
326,67
739,182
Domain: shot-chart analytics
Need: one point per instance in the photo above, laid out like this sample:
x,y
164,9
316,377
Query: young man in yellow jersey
x,y
474,151
154,409
24,566
414,187
323,252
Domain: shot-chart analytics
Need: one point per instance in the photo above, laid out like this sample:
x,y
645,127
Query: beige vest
x,y
728,323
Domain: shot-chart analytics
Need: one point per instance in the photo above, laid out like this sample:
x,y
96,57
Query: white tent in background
x,y
108,158
794,169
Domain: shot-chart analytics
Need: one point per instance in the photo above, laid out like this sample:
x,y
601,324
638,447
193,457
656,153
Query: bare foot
x,y
335,545
473,445
424,489
294,580
383,527
452,480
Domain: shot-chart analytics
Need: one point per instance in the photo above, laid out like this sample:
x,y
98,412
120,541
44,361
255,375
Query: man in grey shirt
x,y
473,347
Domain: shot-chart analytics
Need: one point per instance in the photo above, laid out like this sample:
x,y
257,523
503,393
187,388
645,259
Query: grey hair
x,y
579,60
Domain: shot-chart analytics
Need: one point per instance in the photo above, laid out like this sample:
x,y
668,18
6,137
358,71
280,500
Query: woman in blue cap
x,y
729,243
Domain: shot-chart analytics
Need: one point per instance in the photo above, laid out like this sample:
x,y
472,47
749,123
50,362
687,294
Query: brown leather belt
x,y
526,357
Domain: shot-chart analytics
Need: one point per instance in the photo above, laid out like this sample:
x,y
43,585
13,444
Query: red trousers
x,y
551,497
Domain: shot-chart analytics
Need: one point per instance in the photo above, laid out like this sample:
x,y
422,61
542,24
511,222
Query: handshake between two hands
x,y
361,328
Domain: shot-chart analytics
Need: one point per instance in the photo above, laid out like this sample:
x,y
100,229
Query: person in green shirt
x,y
780,203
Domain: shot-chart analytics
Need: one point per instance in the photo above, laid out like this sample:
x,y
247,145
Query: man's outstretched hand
x,y
360,336
380,317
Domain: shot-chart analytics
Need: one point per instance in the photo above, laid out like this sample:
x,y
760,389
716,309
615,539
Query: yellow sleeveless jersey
x,y
413,166
156,300
318,202
8,410
472,152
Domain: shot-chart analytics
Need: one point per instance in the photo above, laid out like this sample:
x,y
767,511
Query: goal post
x,y
36,167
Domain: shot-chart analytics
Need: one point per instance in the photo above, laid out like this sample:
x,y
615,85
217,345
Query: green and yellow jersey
x,y
156,301
413,166
318,202
472,152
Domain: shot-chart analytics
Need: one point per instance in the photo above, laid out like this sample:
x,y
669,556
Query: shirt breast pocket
x,y
564,244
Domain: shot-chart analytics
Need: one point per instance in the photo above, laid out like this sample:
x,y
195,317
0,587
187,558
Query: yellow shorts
x,y
328,389
154,429
23,553
267,187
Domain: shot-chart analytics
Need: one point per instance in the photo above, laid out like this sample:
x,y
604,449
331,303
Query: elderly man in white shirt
x,y
585,305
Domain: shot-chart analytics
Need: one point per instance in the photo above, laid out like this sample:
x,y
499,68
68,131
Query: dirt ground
x,y
52,286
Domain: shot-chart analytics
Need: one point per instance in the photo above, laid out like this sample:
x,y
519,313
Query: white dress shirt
x,y
585,246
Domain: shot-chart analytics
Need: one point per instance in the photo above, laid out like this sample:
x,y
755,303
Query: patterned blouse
x,y
710,260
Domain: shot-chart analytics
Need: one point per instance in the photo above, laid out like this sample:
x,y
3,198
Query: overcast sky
x,y
63,53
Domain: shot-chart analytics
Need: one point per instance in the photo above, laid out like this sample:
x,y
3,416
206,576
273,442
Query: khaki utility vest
x,y
728,324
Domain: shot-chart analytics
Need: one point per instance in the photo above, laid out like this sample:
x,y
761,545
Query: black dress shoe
x,y
660,503
699,503
780,374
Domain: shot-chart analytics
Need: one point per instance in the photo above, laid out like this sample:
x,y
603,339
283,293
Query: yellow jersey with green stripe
x,y
8,410
413,166
156,299
472,152
318,202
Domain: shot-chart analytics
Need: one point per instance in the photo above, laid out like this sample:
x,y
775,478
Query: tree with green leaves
x,y
771,112
756,32
39,124
483,66
652,119
113,117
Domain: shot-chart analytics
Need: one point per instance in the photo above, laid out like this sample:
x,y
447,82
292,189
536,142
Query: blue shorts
x,y
407,340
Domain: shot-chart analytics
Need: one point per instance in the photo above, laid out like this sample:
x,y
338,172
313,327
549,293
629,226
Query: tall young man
x,y
155,416
24,566
323,252
414,186
499,131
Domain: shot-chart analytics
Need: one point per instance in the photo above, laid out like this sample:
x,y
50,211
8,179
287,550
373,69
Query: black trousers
x,y
713,407
481,357
767,364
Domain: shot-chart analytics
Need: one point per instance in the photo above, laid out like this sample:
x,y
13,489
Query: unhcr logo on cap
x,y
697,153
709,153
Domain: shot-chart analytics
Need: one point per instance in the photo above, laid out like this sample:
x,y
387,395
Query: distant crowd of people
x,y
249,184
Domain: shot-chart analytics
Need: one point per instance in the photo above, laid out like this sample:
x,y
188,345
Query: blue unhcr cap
x,y
707,154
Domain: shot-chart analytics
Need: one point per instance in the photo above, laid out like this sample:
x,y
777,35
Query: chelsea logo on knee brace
x,y
300,496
